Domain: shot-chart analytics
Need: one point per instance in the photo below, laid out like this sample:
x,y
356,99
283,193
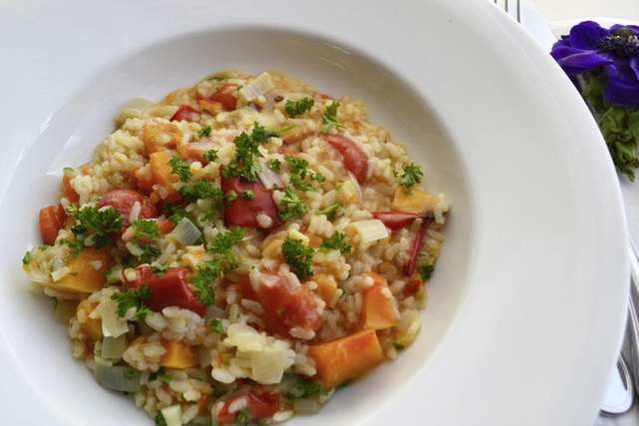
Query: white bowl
x,y
528,300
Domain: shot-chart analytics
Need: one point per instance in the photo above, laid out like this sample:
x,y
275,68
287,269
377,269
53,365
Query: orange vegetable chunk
x,y
163,174
88,272
378,309
346,358
51,221
179,355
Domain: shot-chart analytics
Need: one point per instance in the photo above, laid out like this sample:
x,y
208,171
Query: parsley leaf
x,y
246,146
410,176
133,299
243,417
300,173
202,189
337,242
216,326
159,420
291,206
297,108
100,223
180,168
175,212
211,155
147,230
247,195
275,165
332,211
225,261
150,252
205,131
299,257
426,270
75,245
329,119
301,388
26,259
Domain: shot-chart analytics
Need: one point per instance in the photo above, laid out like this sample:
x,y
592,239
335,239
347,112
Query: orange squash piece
x,y
88,272
92,327
346,358
144,178
413,201
163,174
326,288
378,308
179,355
157,137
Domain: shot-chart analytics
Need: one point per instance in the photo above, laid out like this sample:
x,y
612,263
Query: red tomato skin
x,y
226,96
353,156
261,405
186,113
416,246
241,212
285,306
51,220
168,289
395,220
123,200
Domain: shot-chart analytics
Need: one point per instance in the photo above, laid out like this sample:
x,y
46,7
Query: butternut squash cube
x,y
92,327
162,173
88,272
413,201
346,358
179,355
379,310
157,137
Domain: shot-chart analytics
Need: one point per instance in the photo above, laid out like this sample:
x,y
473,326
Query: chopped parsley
x,y
275,165
202,189
211,155
301,388
299,257
426,271
329,119
75,245
297,108
337,242
216,326
243,417
147,230
159,269
180,168
224,261
160,375
246,145
291,206
98,223
26,259
248,195
332,211
175,212
133,299
231,196
159,420
301,174
410,176
150,252
205,131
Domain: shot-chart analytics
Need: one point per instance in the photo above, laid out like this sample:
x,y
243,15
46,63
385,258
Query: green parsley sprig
x,y
100,224
180,168
297,108
128,299
329,119
299,257
337,242
245,163
410,175
291,206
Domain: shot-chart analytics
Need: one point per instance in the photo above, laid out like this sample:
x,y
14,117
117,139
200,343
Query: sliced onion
x,y
270,179
117,378
113,347
172,415
186,232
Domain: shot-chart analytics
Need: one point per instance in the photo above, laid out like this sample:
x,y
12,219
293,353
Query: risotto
x,y
238,251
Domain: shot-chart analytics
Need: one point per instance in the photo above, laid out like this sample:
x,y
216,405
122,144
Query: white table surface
x,y
555,10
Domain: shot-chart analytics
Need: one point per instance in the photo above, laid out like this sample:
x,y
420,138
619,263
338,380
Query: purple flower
x,y
614,51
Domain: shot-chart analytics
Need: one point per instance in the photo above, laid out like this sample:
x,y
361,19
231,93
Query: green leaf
x,y
180,168
26,259
297,108
133,299
332,211
426,270
291,206
299,257
102,224
205,131
410,176
337,242
329,119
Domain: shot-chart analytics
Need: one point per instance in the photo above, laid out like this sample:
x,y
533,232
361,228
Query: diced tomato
x,y
144,178
226,96
413,286
168,289
68,190
353,156
395,220
416,246
243,212
285,305
123,200
262,406
165,226
51,221
186,113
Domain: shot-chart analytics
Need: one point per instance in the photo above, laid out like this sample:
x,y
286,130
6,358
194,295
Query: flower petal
x,y
577,63
618,27
623,85
586,35
634,66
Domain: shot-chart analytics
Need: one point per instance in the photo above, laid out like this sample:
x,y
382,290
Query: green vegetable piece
x,y
425,271
329,119
297,108
291,206
205,131
337,242
299,257
26,259
133,299
180,168
211,155
101,224
332,211
410,176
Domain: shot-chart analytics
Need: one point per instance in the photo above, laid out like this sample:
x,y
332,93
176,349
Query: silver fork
x,y
620,392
